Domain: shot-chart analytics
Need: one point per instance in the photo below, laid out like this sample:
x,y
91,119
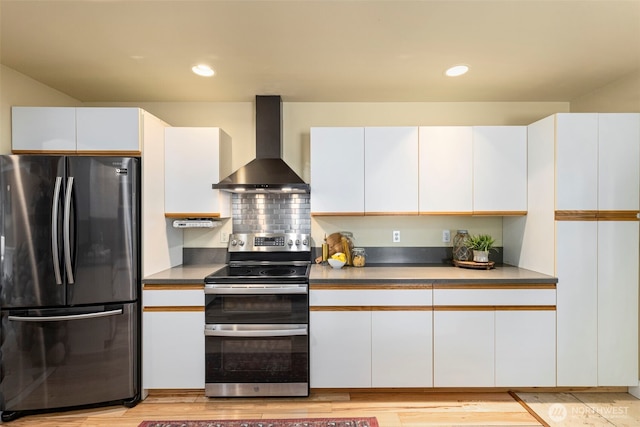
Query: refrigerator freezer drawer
x,y
71,357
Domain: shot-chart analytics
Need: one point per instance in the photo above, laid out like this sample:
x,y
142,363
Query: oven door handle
x,y
247,331
254,289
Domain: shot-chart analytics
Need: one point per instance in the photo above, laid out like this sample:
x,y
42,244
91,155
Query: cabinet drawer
x,y
494,297
172,298
354,297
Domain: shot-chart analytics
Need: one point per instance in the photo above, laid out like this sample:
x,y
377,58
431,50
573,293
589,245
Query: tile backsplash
x,y
271,213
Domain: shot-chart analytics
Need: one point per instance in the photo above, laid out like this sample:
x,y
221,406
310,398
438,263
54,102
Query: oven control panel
x,y
269,242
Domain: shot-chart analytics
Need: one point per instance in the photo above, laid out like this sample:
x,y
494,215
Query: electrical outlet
x,y
396,236
446,236
224,237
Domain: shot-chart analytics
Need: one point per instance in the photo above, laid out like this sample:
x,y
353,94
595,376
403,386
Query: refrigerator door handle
x,y
66,232
68,317
55,208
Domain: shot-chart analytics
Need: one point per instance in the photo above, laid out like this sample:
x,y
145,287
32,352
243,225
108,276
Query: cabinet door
x,y
192,163
576,161
446,169
463,349
340,345
525,348
109,129
391,170
577,303
618,161
173,350
618,303
43,129
337,170
401,349
499,169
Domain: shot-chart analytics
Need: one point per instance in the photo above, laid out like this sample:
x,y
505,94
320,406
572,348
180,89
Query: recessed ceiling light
x,y
457,70
203,70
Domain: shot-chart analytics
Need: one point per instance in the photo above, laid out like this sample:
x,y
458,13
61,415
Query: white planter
x,y
481,256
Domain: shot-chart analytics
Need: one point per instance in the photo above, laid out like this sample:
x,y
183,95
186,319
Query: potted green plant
x,y
481,244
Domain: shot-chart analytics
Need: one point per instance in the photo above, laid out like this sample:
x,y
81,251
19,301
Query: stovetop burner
x,y
264,257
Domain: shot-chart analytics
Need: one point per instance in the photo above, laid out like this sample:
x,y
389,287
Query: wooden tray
x,y
472,264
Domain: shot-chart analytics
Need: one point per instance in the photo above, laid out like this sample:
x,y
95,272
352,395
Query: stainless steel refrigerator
x,y
70,280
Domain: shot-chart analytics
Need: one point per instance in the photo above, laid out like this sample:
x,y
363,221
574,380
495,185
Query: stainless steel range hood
x,y
267,172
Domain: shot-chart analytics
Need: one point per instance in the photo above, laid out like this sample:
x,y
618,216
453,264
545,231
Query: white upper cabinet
x,y
446,169
43,129
499,169
391,170
337,170
577,161
109,129
196,158
77,130
598,161
618,161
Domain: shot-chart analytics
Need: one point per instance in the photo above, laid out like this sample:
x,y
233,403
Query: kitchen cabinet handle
x,y
66,232
54,230
67,317
248,331
255,289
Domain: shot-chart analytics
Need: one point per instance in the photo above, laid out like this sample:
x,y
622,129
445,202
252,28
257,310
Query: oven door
x,y
256,360
254,304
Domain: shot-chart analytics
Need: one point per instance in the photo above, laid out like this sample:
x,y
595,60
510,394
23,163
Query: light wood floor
x,y
401,409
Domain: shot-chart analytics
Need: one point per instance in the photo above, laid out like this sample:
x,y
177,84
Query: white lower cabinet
x,y
401,349
173,339
525,348
340,348
463,348
497,336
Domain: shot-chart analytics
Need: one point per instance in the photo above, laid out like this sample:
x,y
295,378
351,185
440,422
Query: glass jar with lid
x,y
358,257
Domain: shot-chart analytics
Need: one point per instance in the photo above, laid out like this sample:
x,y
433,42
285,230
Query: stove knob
x,y
234,242
305,242
290,242
241,242
297,242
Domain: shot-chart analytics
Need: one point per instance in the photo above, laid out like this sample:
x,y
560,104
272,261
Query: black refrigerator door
x,y
60,358
31,267
104,261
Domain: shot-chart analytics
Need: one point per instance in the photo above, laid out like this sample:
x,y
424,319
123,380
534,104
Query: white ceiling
x,y
331,50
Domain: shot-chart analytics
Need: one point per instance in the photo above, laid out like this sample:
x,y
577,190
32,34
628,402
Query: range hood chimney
x,y
267,172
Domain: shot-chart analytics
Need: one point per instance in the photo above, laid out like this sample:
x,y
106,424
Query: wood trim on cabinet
x,y
372,287
460,213
597,215
104,153
180,215
494,308
618,216
172,286
337,213
499,213
136,153
495,286
391,213
174,309
371,308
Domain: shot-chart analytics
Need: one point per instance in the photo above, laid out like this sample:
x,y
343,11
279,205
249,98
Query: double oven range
x,y
257,318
